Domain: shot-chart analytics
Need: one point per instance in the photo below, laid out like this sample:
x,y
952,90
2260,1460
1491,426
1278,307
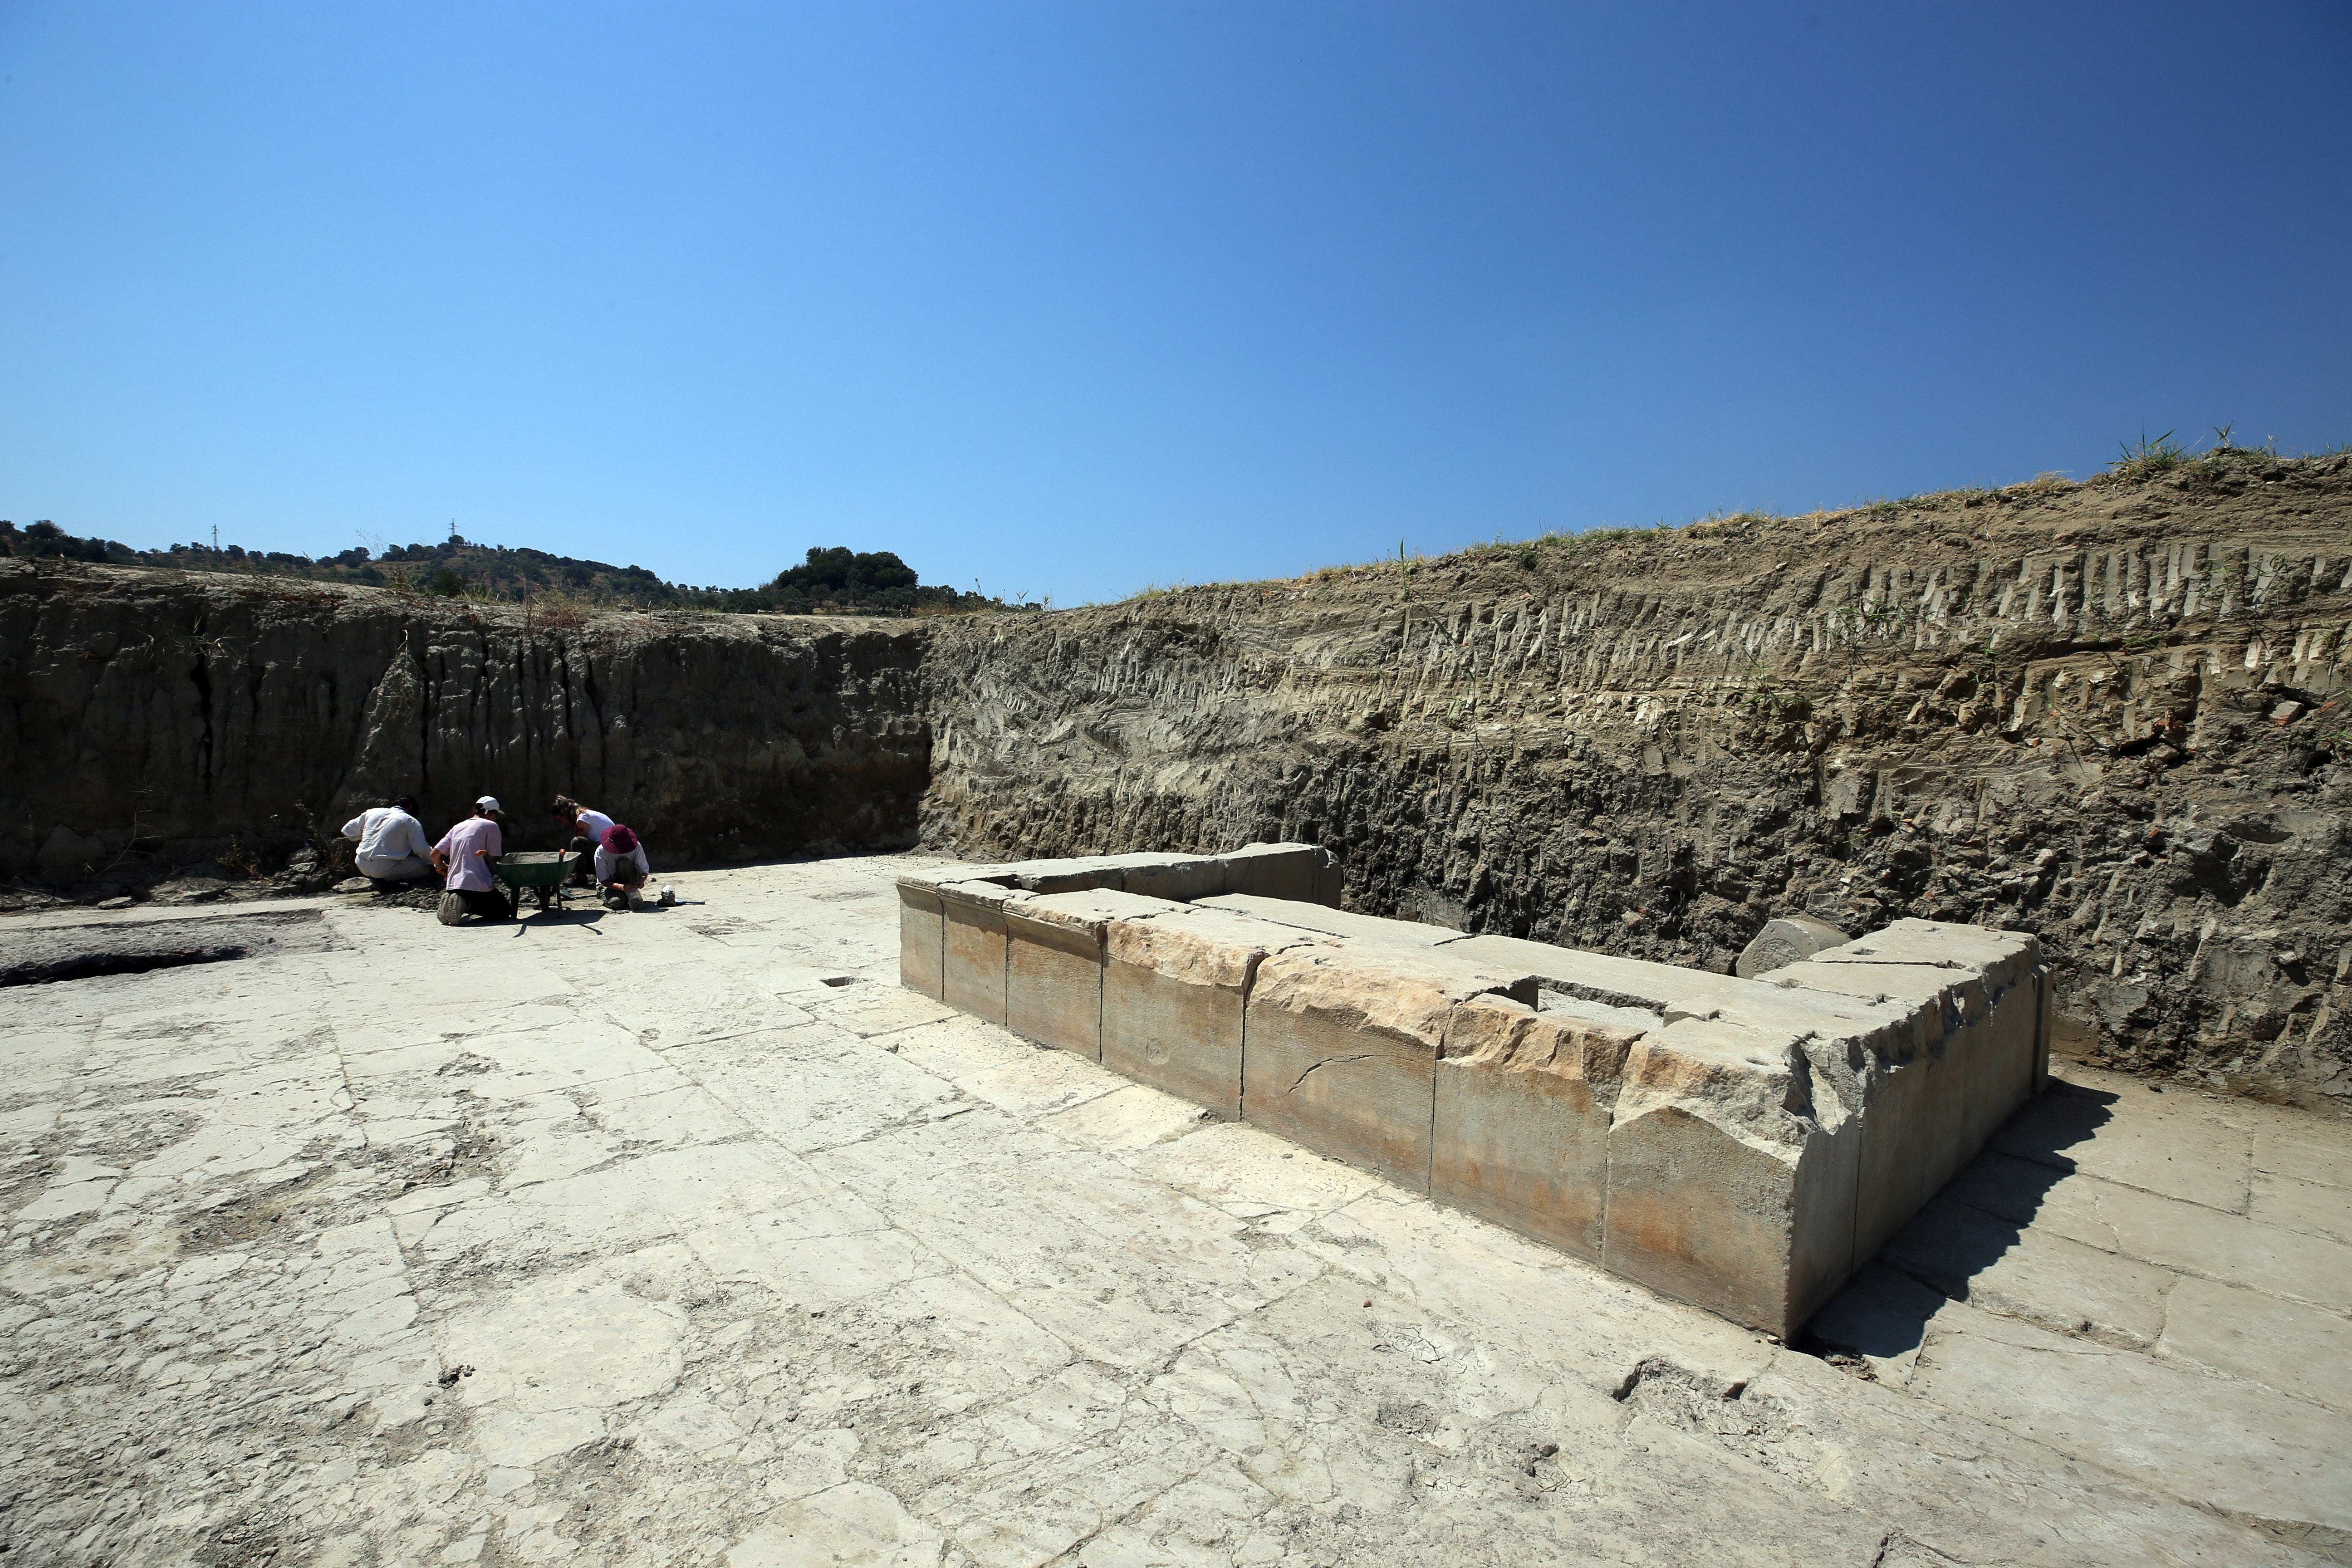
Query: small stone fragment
x,y
1785,941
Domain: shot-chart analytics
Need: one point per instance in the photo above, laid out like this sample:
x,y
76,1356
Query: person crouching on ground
x,y
621,868
583,828
464,857
392,846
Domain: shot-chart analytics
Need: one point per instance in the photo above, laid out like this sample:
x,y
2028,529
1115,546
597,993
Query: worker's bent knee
x,y
488,907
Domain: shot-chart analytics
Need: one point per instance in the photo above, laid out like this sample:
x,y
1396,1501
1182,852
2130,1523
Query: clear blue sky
x,y
1070,299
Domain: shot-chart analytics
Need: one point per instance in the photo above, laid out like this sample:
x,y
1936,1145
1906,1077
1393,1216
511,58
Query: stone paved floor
x,y
689,1237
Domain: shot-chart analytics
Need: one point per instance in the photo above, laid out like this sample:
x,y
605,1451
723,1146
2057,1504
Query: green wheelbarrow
x,y
540,872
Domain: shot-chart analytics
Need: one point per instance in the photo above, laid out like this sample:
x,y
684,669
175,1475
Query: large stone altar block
x,y
1972,1045
1520,1128
1053,964
1174,990
922,940
1342,1049
1744,1145
1725,1187
973,970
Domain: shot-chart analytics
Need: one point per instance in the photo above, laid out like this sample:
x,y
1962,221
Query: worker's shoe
x,y
451,909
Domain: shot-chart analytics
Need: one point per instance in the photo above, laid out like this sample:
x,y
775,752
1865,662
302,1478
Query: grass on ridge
x,y
2148,457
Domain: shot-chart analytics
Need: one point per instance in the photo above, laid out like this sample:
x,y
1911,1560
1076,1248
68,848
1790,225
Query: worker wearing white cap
x,y
464,857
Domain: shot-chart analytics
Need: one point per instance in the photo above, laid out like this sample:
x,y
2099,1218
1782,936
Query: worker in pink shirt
x,y
462,858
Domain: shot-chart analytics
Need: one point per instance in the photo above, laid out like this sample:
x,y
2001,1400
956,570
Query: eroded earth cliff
x,y
2105,713
155,718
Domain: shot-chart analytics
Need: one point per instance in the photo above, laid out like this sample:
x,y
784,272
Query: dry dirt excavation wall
x,y
2100,715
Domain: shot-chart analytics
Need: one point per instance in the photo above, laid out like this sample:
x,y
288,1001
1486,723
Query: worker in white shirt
x,y
621,868
392,846
583,828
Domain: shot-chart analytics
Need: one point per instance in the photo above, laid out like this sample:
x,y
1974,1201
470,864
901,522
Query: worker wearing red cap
x,y
621,868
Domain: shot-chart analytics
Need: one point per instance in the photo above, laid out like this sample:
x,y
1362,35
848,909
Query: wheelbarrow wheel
x,y
545,894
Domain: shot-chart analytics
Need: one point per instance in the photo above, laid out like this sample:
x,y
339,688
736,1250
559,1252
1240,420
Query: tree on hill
x,y
840,575
46,539
835,580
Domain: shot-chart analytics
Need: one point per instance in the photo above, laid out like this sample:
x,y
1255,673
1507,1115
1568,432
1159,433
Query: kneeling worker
x,y
621,868
392,846
464,856
582,828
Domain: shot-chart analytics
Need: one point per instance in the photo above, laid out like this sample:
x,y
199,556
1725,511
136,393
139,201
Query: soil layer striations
x,y
2103,713
152,718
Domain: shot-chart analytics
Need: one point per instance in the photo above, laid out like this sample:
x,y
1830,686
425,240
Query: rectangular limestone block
x,y
922,938
1342,1050
1331,921
1618,982
1930,1095
1100,906
2002,958
1300,872
1058,874
1624,988
1520,1131
1640,1020
1061,875
1053,982
1273,870
1053,964
932,878
1173,989
973,973
1729,1187
1912,1052
1180,877
1907,1069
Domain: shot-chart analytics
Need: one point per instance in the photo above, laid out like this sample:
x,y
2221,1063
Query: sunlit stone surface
x,y
634,1238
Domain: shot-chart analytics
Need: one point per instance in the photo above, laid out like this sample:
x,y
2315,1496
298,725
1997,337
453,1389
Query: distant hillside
x,y
836,580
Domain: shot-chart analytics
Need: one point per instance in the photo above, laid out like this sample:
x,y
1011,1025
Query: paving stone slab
x,y
2287,1347
2060,1284
2302,1152
2306,1207
2242,1449
586,1301
2231,1248
2168,1144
